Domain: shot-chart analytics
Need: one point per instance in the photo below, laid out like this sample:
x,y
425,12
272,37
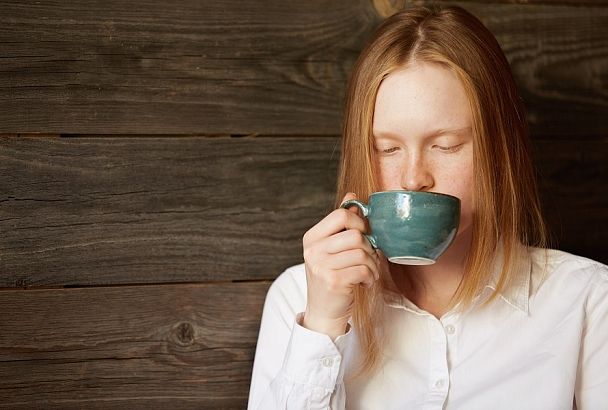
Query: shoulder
x,y
558,264
287,293
567,273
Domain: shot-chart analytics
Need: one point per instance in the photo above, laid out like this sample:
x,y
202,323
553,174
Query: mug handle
x,y
365,210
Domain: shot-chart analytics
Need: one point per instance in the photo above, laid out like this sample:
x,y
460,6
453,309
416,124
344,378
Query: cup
x,y
410,227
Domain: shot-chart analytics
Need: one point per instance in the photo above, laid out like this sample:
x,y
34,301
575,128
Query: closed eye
x,y
451,148
387,150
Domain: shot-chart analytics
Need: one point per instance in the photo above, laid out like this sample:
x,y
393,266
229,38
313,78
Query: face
x,y
422,134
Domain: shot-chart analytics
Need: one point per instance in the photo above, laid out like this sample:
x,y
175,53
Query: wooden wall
x,y
160,161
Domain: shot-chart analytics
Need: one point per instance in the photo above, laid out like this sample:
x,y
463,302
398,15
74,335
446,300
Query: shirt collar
x,y
397,300
516,292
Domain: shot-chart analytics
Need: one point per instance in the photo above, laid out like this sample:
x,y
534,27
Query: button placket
x,y
450,324
438,366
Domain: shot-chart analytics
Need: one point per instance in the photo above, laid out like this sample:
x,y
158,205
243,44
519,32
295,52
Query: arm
x,y
299,362
591,389
295,368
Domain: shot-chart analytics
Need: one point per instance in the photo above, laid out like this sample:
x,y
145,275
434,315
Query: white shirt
x,y
542,344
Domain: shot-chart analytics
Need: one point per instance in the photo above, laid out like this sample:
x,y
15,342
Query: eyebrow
x,y
442,131
433,134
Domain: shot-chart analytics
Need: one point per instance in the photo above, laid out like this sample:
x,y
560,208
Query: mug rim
x,y
403,191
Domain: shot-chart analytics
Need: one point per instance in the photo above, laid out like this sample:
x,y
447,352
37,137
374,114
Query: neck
x,y
432,287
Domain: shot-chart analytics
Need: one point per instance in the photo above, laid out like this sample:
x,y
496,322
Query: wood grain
x,y
235,67
90,211
578,3
188,67
169,346
573,185
560,63
81,211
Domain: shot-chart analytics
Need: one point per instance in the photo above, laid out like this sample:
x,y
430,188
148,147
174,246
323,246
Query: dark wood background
x,y
160,161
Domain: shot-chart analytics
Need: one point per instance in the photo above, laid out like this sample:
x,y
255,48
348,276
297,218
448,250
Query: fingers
x,y
349,239
337,257
337,221
344,279
354,258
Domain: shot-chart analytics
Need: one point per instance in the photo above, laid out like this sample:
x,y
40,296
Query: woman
x,y
499,321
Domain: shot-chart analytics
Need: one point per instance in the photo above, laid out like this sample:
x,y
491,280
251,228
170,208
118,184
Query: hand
x,y
337,258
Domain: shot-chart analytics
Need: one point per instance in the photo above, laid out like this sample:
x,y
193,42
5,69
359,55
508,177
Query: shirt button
x,y
327,362
439,384
449,329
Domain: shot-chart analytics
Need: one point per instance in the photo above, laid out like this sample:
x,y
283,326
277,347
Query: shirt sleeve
x,y
591,389
294,367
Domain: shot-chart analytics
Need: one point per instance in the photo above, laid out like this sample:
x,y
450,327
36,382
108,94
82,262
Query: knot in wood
x,y
386,8
185,333
21,283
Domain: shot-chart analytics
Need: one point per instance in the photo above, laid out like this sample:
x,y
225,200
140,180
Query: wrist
x,y
331,327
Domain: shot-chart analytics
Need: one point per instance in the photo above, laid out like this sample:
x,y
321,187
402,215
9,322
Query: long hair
x,y
507,211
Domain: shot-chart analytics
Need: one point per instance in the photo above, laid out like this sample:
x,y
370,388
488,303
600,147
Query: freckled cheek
x,y
389,176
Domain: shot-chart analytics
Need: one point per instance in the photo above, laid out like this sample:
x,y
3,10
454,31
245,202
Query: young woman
x,y
499,321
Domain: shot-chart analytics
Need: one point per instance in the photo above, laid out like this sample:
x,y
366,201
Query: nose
x,y
416,175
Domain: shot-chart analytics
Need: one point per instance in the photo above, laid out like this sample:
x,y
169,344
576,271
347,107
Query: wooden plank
x,y
573,184
87,211
559,59
260,67
188,67
81,211
577,3
386,8
169,346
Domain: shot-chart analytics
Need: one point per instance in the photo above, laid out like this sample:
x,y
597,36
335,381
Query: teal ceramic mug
x,y
410,227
